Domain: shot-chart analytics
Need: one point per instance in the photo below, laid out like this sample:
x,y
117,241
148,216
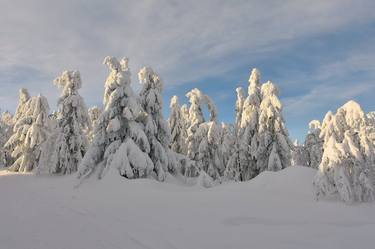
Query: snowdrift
x,y
274,210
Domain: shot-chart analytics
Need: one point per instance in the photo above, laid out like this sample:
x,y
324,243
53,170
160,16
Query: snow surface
x,y
274,210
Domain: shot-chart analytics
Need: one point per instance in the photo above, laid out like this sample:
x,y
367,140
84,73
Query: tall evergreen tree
x,y
196,118
227,143
157,130
233,171
247,133
119,139
30,131
347,166
176,125
66,147
299,154
274,149
6,131
314,145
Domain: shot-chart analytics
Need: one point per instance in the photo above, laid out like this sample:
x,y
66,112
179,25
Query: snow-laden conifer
x,y
227,142
156,129
6,131
209,159
274,148
233,170
229,152
176,126
204,138
65,148
119,139
185,124
314,145
347,166
30,131
248,130
299,154
196,118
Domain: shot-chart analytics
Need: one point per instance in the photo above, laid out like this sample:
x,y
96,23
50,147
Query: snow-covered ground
x,y
274,210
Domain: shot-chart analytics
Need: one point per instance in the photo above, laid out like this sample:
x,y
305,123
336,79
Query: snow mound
x,y
274,210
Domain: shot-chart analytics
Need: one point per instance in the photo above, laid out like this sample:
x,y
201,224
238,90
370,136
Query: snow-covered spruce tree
x,y
324,128
176,126
187,167
299,155
232,171
30,131
65,149
186,125
22,107
6,131
227,145
209,159
248,130
314,145
196,118
119,139
347,166
204,137
94,114
156,128
274,149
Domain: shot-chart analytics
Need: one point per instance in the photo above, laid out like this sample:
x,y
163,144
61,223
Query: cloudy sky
x,y
319,53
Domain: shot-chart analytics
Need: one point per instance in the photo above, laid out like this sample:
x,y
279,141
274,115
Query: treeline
x,y
130,135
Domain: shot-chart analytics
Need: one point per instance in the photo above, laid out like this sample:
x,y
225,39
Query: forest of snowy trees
x,y
130,136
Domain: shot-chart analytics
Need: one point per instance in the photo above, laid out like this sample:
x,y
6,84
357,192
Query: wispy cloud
x,y
336,81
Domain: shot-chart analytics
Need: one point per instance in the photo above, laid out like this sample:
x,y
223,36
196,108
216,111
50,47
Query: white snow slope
x,y
274,210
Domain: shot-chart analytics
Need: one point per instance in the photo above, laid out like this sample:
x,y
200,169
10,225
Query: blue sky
x,y
319,53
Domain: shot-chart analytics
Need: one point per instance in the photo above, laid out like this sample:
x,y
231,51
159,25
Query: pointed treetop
x,y
327,118
314,125
269,89
150,79
353,113
185,109
254,79
144,74
351,105
240,92
254,86
69,80
112,63
195,95
174,101
124,62
24,95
